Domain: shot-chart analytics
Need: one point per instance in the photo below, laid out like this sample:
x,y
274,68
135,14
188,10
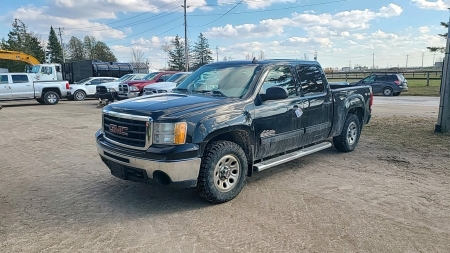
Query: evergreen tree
x,y
103,53
201,54
19,39
177,57
54,47
440,49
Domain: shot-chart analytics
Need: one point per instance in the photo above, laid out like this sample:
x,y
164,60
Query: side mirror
x,y
275,93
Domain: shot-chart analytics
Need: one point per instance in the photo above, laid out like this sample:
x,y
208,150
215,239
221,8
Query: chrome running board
x,y
290,156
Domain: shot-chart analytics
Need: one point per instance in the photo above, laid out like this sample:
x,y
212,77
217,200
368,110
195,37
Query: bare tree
x,y
262,55
225,58
306,58
167,48
137,60
249,56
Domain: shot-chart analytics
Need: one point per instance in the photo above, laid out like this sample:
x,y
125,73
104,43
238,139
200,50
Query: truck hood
x,y
168,105
110,84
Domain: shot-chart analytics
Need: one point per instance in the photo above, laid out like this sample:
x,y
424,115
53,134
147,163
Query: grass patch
x,y
408,133
416,87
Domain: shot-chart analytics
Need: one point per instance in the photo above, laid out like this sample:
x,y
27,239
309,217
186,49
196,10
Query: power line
x,y
267,10
131,44
220,16
114,22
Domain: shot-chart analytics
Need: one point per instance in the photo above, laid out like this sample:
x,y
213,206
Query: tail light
x,y
397,82
67,86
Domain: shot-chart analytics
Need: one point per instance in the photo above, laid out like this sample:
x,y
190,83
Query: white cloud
x,y
255,4
324,24
424,29
432,5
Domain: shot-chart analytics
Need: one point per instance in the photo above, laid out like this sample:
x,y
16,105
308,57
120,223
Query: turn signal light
x,y
180,133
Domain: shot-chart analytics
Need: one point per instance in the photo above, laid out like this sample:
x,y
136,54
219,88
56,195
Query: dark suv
x,y
386,84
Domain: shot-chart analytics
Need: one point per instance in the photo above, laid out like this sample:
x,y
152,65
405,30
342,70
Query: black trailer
x,y
77,70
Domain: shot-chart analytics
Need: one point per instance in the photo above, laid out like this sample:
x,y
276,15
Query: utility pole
x,y
217,53
422,58
443,122
315,55
434,56
407,56
185,37
62,45
373,62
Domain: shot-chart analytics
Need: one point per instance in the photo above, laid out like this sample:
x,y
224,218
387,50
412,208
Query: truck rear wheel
x,y
51,98
222,172
349,137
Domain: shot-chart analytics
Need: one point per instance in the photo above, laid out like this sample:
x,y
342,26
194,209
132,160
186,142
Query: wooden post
x,y
428,78
346,77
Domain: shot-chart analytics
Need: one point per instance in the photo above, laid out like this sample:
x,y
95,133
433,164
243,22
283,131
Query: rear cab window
x,y
4,79
19,78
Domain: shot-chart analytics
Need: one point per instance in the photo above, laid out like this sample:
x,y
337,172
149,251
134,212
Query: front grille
x,y
127,130
123,87
101,89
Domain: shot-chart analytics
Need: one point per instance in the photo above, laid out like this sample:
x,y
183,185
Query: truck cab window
x,y
280,76
311,80
3,79
19,78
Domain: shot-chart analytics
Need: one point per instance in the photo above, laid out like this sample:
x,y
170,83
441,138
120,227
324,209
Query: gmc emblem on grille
x,y
118,129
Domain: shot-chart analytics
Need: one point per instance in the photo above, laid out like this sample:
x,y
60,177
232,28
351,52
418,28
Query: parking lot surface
x,y
57,196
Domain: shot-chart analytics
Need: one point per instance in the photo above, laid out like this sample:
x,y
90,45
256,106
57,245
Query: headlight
x,y
111,90
169,133
133,88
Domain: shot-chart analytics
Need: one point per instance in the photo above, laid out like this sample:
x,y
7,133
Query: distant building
x,y
3,70
141,68
345,69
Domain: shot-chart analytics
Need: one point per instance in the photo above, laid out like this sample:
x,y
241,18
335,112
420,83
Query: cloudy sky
x,y
342,32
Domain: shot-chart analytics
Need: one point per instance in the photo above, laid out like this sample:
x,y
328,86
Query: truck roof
x,y
264,62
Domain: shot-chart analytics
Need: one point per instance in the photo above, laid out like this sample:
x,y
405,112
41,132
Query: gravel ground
x,y
392,194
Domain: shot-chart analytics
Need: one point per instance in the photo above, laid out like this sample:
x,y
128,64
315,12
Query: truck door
x,y
5,88
276,123
317,103
21,87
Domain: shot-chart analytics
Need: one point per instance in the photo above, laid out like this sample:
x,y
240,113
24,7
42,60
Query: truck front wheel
x,y
349,137
222,172
51,98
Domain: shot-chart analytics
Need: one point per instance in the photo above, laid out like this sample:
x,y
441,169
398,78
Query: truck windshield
x,y
227,81
124,78
35,69
82,80
178,78
150,76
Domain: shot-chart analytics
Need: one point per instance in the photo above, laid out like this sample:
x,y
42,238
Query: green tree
x,y
177,56
75,50
103,53
97,50
54,47
19,39
440,49
201,54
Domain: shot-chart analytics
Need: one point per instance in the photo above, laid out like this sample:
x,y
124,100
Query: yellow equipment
x,y
18,56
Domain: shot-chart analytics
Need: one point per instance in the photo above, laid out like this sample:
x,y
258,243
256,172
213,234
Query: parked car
x,y
386,84
131,89
228,120
109,90
87,87
20,86
167,86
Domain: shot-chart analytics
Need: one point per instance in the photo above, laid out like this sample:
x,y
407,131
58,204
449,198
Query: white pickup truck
x,y
20,86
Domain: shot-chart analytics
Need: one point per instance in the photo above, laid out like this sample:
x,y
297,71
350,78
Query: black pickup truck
x,y
228,120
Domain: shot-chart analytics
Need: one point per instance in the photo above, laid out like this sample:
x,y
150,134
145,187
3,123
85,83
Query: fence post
x,y
428,78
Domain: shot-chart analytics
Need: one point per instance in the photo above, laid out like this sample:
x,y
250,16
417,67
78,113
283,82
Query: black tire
x,y
219,184
40,101
396,94
349,137
51,98
387,91
79,95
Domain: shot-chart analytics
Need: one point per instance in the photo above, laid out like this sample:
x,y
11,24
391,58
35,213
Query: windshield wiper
x,y
212,92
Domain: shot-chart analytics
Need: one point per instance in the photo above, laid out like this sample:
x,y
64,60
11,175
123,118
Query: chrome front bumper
x,y
182,171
